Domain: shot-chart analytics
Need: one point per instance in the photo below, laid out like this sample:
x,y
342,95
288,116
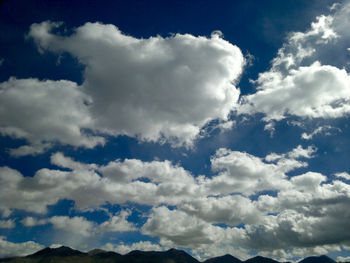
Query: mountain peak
x,y
260,259
223,259
317,259
62,251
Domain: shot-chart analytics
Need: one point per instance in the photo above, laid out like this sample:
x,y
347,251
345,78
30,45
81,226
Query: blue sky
x,y
211,127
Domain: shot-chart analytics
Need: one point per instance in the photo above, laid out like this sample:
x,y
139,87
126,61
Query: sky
x,y
210,126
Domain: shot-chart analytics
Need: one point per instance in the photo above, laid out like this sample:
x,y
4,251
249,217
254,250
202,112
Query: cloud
x,y
30,221
231,209
203,213
299,253
118,223
299,205
44,112
240,172
8,249
307,79
178,228
343,175
315,91
10,223
121,182
298,152
124,248
306,215
151,183
76,225
157,89
81,226
322,129
343,259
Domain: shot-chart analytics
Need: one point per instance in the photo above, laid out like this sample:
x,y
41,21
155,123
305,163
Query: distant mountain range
x,y
67,255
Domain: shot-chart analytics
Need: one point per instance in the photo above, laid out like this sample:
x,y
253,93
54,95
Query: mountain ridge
x,y
68,255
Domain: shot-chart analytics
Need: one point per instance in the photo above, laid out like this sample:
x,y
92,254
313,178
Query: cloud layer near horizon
x,y
304,204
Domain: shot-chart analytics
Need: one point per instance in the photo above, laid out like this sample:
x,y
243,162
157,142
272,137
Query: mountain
x,y
56,252
259,259
96,251
223,259
67,255
320,259
170,256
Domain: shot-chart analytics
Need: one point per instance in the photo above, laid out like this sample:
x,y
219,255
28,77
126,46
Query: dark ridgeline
x,y
259,259
320,259
223,259
68,255
55,252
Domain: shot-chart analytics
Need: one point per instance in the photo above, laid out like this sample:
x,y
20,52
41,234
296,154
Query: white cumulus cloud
x,y
309,76
157,89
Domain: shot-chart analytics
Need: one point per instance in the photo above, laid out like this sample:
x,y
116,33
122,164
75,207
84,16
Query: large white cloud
x,y
315,91
154,88
309,77
45,112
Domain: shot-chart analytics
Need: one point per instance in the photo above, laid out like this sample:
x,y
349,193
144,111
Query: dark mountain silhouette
x,y
320,259
68,255
223,259
171,256
259,259
56,252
